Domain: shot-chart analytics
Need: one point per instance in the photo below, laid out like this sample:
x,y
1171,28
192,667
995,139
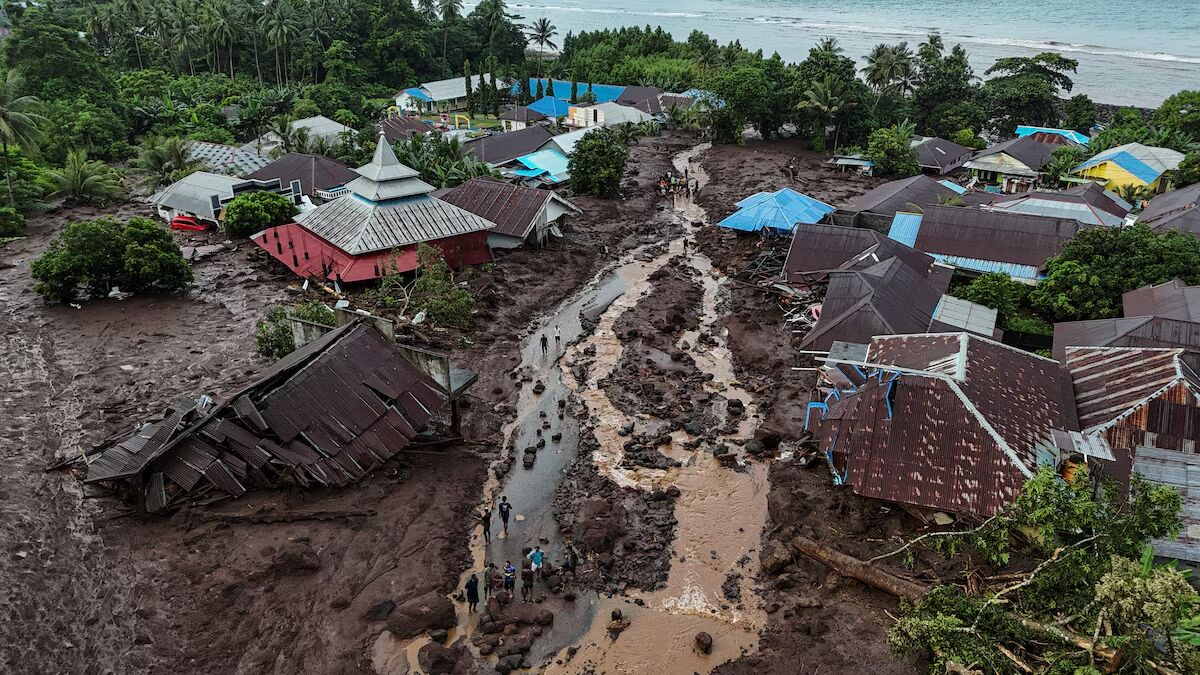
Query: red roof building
x,y
376,228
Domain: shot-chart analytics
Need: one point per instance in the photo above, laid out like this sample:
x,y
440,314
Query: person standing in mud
x,y
557,337
545,344
536,556
510,577
485,519
472,593
505,507
526,585
489,571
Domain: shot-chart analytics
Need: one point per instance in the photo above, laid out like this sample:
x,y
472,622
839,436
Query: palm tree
x,y
162,161
19,122
316,34
279,26
428,10
450,10
931,49
542,34
281,127
493,13
132,10
887,65
159,24
827,99
224,29
82,180
1133,194
829,45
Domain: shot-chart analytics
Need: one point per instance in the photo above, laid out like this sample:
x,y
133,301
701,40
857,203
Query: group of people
x,y
672,183
546,341
497,579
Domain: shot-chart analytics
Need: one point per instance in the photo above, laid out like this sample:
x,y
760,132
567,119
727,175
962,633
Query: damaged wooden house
x,y
946,422
325,415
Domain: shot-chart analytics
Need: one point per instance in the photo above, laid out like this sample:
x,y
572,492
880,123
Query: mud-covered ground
x,y
95,589
817,620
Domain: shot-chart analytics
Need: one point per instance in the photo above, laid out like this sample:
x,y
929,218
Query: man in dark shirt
x,y
472,593
505,510
485,519
526,585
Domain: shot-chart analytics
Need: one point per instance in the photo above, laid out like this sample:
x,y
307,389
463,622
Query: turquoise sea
x,y
1130,53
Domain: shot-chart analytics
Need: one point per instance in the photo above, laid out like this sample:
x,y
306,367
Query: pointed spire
x,y
384,166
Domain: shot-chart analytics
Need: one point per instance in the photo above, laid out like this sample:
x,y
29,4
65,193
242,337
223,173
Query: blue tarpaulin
x,y
550,162
954,186
550,106
1028,130
1140,170
779,210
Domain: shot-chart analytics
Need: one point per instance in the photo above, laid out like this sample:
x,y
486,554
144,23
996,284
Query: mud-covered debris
x,y
294,559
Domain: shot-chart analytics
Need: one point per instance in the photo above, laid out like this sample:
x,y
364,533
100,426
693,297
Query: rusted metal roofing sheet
x,y
1134,331
1112,383
990,235
321,416
514,209
951,422
1182,472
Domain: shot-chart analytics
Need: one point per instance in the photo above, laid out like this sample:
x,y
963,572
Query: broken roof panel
x,y
1113,382
955,422
1134,331
327,421
818,248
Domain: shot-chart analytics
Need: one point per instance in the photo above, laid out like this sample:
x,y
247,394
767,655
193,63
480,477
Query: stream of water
x,y
720,512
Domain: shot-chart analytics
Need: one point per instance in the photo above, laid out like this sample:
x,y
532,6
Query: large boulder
x,y
704,642
437,659
774,557
430,611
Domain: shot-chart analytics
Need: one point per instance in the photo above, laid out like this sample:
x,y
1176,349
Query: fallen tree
x,y
1081,539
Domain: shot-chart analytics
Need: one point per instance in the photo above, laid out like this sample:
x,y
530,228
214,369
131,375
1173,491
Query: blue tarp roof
x,y
550,106
779,210
958,189
551,162
416,92
1026,130
905,227
1143,171
562,89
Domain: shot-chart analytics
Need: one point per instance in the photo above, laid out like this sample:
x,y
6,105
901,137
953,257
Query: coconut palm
x,y
158,24
450,10
1133,194
542,34
931,49
428,10
224,28
162,161
493,13
19,122
887,65
131,11
829,45
827,100
279,26
84,181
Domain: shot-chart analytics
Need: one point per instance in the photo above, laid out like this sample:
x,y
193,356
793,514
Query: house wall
x,y
512,125
1115,177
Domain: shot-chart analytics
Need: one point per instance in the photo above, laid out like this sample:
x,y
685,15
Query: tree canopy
x,y
597,163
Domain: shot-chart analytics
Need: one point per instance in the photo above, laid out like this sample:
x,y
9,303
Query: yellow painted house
x,y
1134,164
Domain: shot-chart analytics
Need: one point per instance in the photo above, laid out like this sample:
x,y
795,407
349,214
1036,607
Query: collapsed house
x,y
1145,403
522,215
325,415
951,422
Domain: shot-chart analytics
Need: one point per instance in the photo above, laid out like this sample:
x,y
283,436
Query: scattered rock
x,y
704,642
379,611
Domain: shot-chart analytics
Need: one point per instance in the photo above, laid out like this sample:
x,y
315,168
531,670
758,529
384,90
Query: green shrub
x,y
138,256
253,212
12,223
598,163
274,338
434,291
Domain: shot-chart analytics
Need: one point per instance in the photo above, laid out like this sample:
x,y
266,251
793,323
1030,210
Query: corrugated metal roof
x,y
905,228
965,315
566,142
226,158
779,210
416,93
1182,472
602,92
448,89
955,422
514,209
954,186
315,172
1172,299
499,149
887,298
819,248
975,234
403,127
1069,134
1145,162
1027,150
334,409
1134,331
940,154
522,114
900,195
194,192
1176,209
1112,382
550,162
359,226
615,113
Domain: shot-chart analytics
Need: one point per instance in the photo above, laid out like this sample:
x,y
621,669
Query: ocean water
x,y
1130,53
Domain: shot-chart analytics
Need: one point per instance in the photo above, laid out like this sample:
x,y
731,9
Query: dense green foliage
x,y
1079,113
892,152
138,256
12,223
434,291
441,160
252,212
1078,541
597,163
1188,172
1009,298
1180,112
274,338
1087,279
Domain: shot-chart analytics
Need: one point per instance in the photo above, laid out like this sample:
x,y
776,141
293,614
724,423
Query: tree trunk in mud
x,y
863,571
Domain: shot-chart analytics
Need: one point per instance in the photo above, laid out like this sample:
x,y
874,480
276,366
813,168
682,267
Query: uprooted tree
x,y
1077,591
432,290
